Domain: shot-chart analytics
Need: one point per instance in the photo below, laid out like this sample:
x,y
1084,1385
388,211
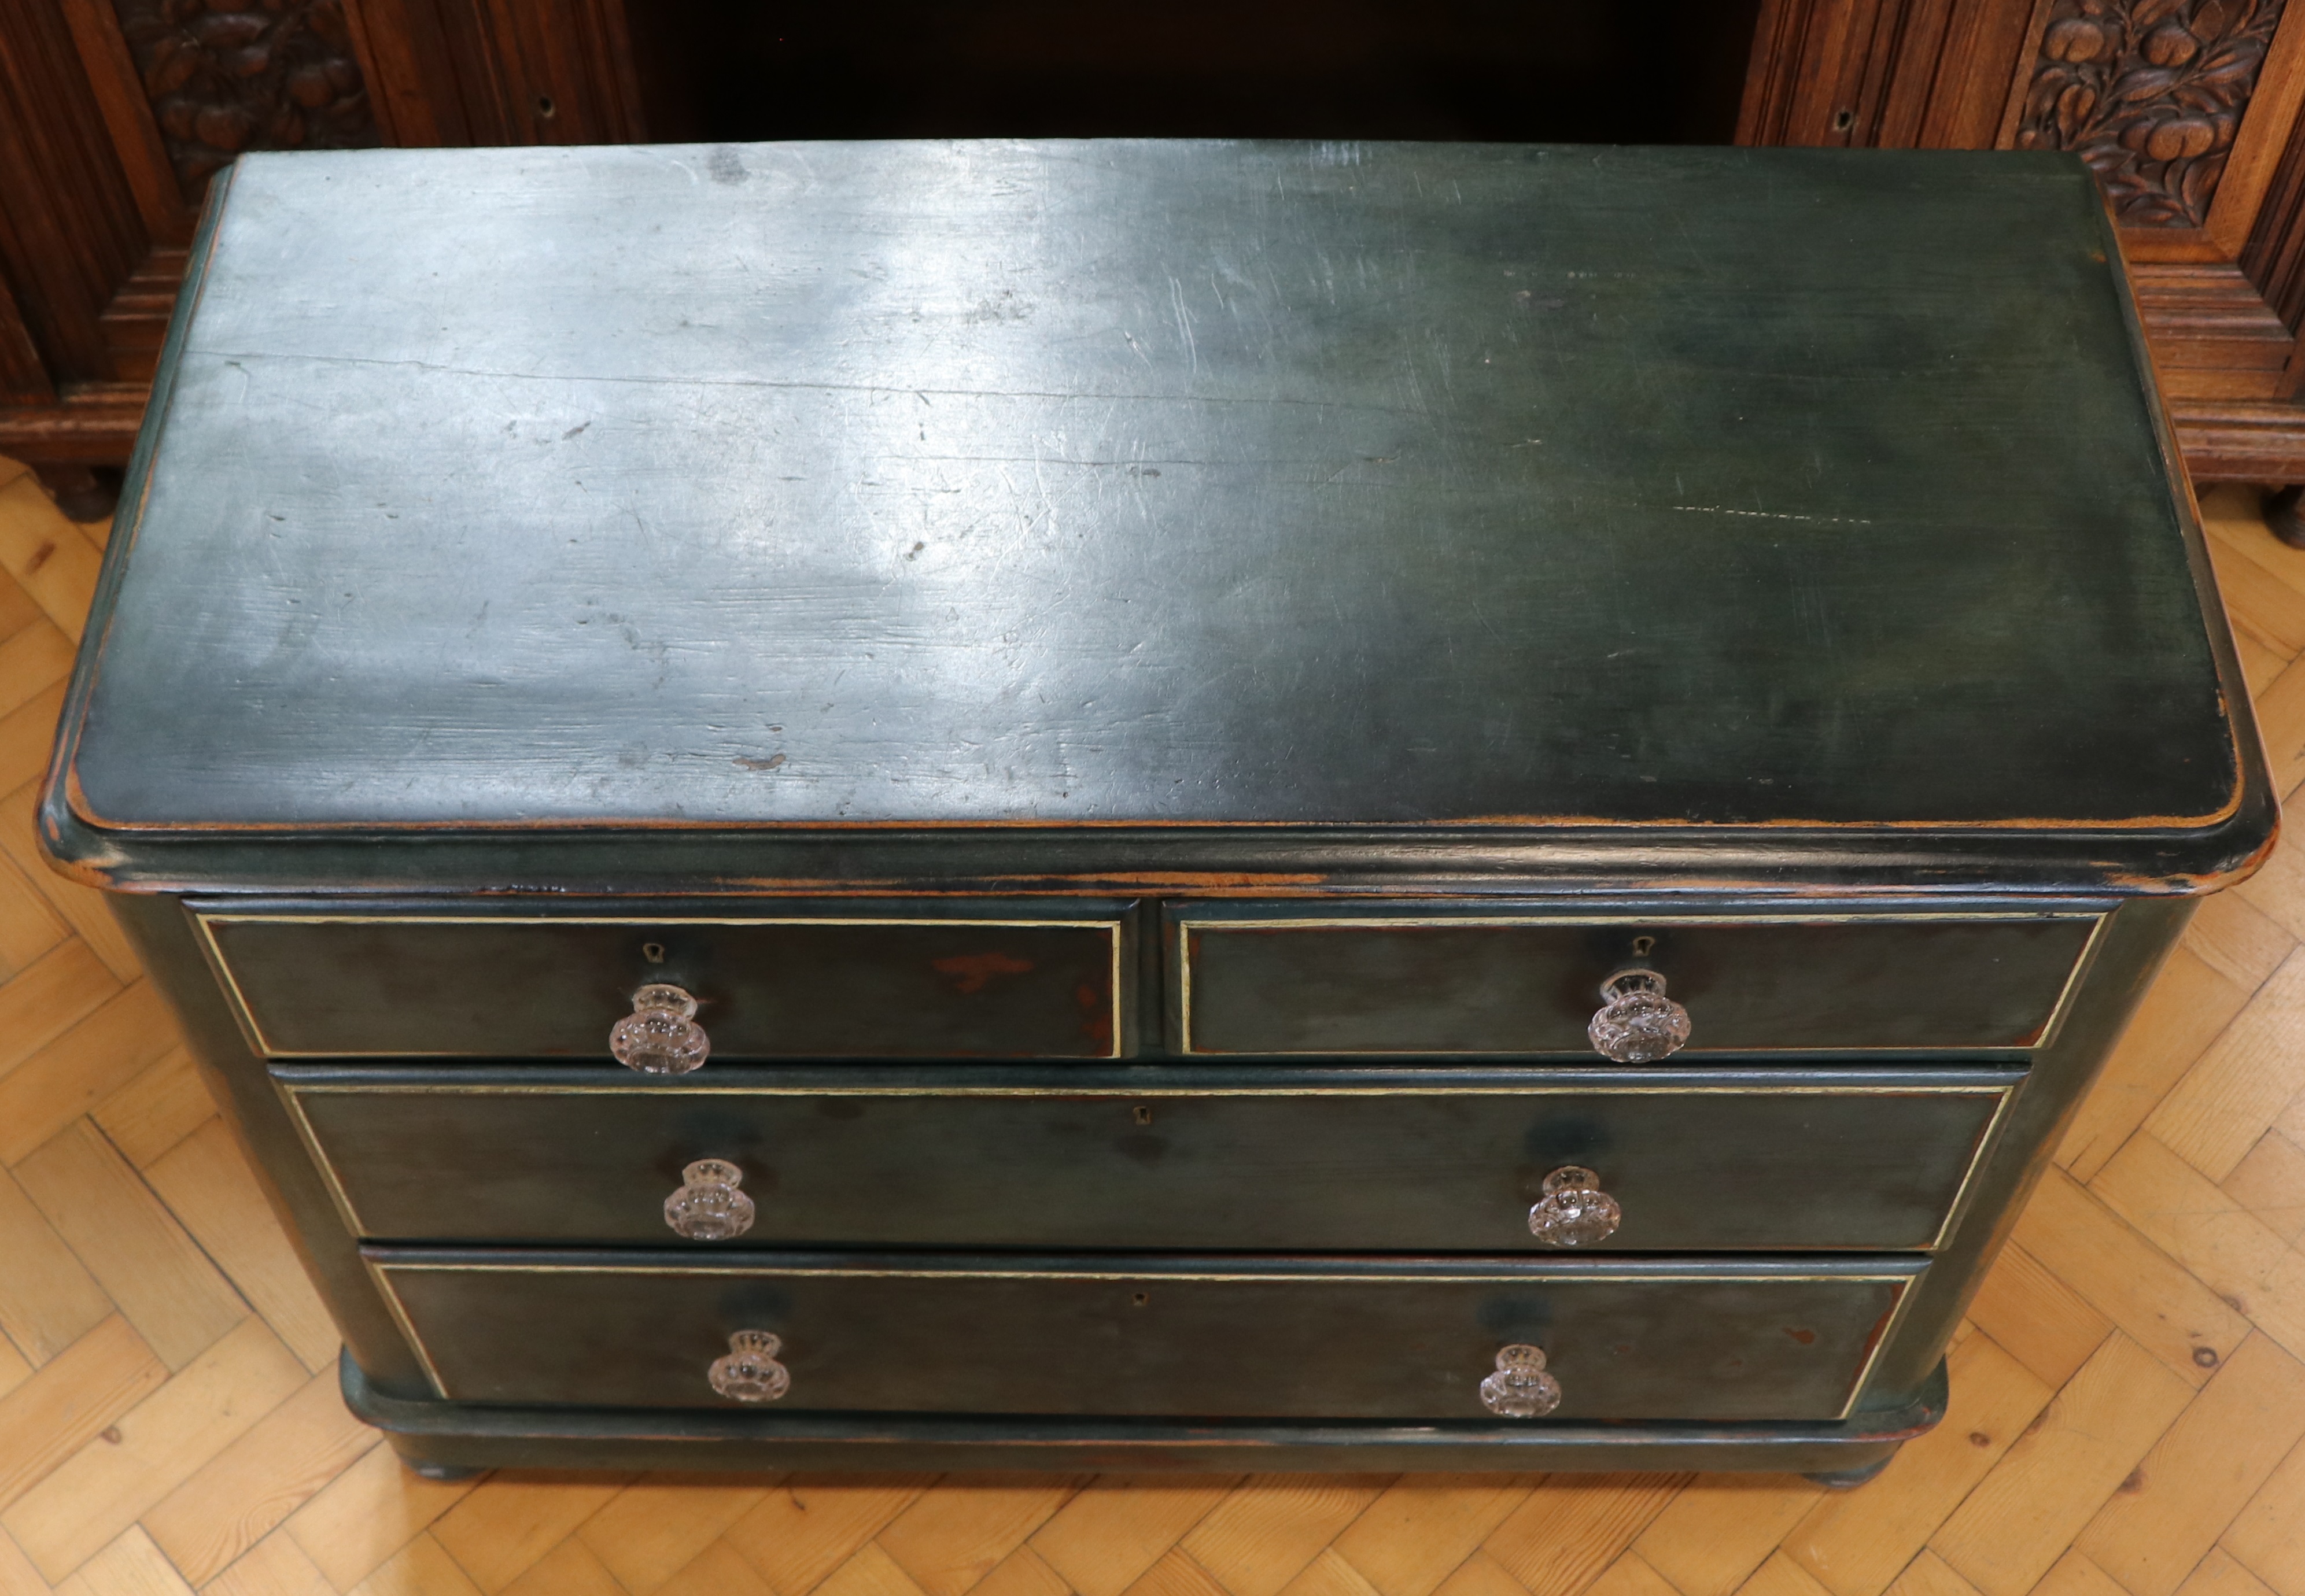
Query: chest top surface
x,y
1156,485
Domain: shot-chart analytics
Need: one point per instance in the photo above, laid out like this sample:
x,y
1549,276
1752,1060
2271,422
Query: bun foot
x,y
1849,1478
444,1472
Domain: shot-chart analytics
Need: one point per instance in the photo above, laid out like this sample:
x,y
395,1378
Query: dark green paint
x,y
1374,486
799,539
1532,989
444,1436
1328,1339
1342,1161
503,988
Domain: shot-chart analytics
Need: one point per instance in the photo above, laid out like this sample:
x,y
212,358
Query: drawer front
x,y
1328,1162
1178,1337
1271,986
815,987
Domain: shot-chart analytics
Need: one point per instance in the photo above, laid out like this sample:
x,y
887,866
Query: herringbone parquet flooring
x,y
2127,1399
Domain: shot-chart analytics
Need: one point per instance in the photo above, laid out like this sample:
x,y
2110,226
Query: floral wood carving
x,y
228,75
2149,93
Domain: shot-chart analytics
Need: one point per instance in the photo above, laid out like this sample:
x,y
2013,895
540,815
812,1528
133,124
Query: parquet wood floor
x,y
2128,1396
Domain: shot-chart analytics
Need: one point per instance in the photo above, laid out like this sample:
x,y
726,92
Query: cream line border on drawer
x,y
1890,1325
384,1286
292,1094
1185,926
320,1160
1901,1281
246,1016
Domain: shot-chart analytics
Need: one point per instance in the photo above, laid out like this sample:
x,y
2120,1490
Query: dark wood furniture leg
x,y
2282,514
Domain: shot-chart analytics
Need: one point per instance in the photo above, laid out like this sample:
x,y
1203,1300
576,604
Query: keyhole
x,y
1841,120
545,107
1142,1114
654,951
1140,1298
1642,945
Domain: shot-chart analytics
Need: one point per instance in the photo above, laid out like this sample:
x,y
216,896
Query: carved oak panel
x,y
228,75
2150,93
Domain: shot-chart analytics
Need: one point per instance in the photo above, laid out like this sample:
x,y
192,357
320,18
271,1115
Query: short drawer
x,y
1253,984
999,986
1178,1336
1284,1160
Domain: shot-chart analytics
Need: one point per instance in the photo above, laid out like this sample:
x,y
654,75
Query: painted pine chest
x,y
1155,805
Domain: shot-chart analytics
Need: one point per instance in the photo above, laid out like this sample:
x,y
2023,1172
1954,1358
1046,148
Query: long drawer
x,y
1351,1161
1003,980
1272,982
1178,1336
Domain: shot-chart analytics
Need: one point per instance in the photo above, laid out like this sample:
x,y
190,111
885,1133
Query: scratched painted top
x,y
1157,482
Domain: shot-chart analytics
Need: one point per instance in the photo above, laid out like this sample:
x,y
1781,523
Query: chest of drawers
x,y
1153,805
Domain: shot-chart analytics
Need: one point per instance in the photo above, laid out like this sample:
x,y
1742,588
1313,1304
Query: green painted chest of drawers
x,y
1154,805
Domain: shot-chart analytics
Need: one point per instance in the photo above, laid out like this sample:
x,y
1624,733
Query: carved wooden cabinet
x,y
1167,804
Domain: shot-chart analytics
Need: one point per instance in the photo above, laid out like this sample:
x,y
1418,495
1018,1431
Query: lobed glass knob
x,y
750,1371
1637,1022
1573,1212
708,1207
660,1036
1520,1388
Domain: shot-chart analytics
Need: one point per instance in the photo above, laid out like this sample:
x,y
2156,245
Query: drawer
x,y
1277,1160
1208,1338
1258,984
314,985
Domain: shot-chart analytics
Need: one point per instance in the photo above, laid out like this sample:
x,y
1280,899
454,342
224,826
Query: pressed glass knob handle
x,y
1520,1388
750,1371
708,1207
660,1036
1637,1022
1573,1212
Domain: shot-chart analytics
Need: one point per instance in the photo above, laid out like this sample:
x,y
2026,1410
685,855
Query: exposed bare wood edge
x,y
94,424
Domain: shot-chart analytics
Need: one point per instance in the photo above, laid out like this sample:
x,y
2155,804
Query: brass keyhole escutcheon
x,y
1142,1114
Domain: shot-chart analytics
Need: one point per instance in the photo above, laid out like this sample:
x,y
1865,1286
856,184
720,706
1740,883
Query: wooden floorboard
x,y
2128,1397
